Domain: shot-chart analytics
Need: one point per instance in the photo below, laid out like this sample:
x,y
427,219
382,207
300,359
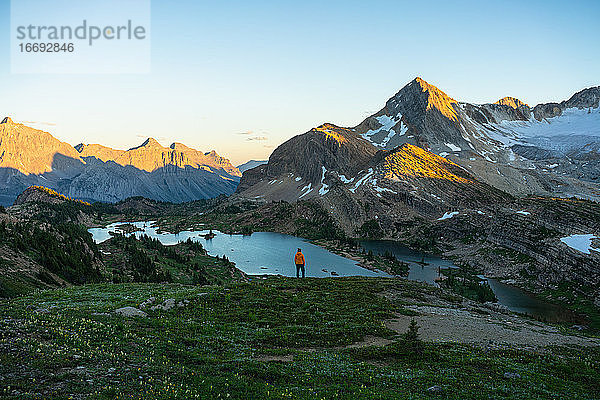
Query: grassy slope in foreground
x,y
271,338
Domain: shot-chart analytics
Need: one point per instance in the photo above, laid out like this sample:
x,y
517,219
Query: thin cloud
x,y
246,133
268,146
257,138
39,123
158,138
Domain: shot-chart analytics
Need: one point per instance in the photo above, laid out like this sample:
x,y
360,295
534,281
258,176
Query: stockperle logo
x,y
74,36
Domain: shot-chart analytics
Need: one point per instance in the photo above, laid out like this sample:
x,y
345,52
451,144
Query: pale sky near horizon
x,y
242,77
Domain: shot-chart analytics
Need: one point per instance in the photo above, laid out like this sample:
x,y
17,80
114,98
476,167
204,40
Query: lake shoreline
x,y
374,263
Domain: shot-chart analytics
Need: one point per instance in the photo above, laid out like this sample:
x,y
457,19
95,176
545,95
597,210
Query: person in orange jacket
x,y
300,263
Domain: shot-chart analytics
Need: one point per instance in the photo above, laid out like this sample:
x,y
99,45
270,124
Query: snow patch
x,y
324,188
453,147
361,180
582,243
380,189
344,179
523,212
387,123
306,189
448,215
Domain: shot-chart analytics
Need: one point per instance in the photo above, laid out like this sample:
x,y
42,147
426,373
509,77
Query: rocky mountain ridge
x,y
177,173
549,148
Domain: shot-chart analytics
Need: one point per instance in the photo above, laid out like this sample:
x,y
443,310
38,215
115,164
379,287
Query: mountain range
x,y
94,172
250,164
550,149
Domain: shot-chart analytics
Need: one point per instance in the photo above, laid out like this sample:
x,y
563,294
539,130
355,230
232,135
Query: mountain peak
x,y
436,98
6,120
421,82
179,146
511,102
150,142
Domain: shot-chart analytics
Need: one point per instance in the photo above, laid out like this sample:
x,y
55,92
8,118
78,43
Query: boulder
x,y
130,312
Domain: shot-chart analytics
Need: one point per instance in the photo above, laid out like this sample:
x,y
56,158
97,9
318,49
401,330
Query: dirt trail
x,y
445,324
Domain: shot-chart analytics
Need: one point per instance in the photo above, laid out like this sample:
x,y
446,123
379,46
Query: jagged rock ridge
x,y
94,172
550,148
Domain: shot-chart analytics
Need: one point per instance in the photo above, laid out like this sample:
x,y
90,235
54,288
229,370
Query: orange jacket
x,y
299,259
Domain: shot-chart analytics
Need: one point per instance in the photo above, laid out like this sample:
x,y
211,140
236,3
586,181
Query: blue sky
x,y
276,69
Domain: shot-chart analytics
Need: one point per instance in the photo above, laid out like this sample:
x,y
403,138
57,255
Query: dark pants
x,y
298,268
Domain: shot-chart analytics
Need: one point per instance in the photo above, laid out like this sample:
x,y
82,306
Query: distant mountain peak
x,y
97,172
512,102
251,164
6,120
150,142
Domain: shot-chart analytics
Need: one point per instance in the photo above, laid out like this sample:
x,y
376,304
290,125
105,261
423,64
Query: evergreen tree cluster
x,y
64,249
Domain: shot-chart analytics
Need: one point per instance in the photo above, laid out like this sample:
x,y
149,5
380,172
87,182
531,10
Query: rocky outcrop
x,y
178,173
303,163
43,195
511,102
586,98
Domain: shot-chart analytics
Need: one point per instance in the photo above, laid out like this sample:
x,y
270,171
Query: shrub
x,y
371,229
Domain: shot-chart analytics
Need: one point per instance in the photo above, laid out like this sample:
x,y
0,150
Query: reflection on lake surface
x,y
259,253
273,253
520,301
424,268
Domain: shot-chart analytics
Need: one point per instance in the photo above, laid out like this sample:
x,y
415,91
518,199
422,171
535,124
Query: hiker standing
x,y
300,262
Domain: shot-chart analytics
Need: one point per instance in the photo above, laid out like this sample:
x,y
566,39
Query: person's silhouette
x,y
300,263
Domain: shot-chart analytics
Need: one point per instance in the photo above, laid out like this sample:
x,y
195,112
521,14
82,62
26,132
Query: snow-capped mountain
x,y
550,149
495,139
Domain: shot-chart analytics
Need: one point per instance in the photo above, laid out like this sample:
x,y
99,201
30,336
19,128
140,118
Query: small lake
x,y
256,254
424,268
